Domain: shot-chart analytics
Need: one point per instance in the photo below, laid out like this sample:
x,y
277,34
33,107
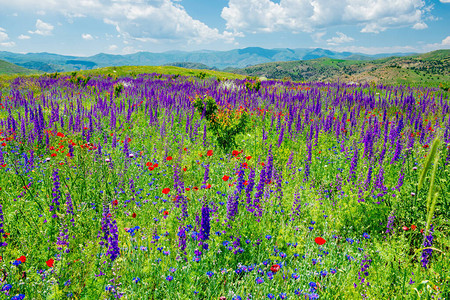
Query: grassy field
x,y
154,186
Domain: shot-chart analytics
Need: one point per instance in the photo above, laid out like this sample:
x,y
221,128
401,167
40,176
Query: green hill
x,y
9,68
168,70
428,69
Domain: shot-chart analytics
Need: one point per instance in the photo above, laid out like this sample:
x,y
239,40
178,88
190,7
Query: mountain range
x,y
206,59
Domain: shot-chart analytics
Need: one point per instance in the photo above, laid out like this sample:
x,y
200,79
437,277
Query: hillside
x,y
236,58
167,70
429,69
9,68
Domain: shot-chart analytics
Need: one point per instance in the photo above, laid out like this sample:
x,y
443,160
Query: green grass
x,y
168,70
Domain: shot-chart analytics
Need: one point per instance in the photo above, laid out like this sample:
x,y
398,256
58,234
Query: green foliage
x,y
201,75
118,87
225,123
252,85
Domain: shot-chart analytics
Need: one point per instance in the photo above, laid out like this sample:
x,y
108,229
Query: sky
x,y
89,27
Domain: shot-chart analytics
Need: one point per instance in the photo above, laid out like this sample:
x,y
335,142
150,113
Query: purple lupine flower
x,y
2,231
2,159
426,253
379,183
269,166
56,193
47,140
232,207
70,146
400,180
369,177
290,159
382,154
69,206
178,184
205,226
280,138
126,151
390,223
99,149
250,185
182,238
104,233
398,151
62,239
206,176
113,241
114,141
112,120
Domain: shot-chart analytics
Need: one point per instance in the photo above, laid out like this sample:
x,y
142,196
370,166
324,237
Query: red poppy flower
x,y
185,149
413,227
275,268
150,168
188,189
244,165
115,202
108,215
208,186
155,165
405,228
53,154
225,178
60,134
320,240
246,182
166,191
248,157
235,153
169,158
148,164
166,213
209,153
22,259
184,169
195,188
50,262
133,215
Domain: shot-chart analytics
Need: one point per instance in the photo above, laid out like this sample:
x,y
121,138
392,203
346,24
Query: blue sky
x,y
88,27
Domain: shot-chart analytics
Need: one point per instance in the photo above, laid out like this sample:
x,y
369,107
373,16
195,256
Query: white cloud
x,y
445,1
112,48
142,20
302,15
339,39
420,25
87,36
4,39
42,28
446,41
23,37
8,44
3,35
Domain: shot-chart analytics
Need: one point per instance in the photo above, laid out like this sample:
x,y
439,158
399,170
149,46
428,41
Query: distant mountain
x,y
9,68
430,69
237,58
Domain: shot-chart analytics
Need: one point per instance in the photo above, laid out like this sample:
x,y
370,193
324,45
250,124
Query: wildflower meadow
x,y
174,187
